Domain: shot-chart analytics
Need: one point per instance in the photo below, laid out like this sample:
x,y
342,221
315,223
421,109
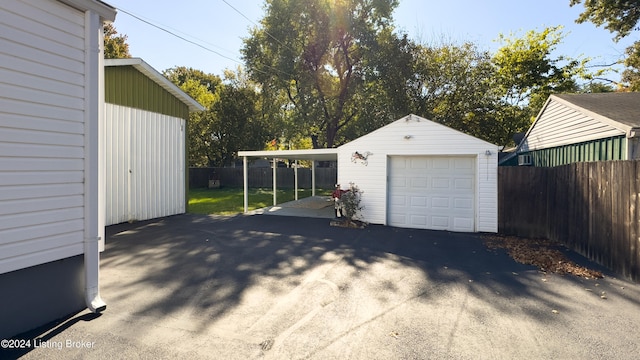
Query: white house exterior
x,y
415,173
50,103
420,174
145,142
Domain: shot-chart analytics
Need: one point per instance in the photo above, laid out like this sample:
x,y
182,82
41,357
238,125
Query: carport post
x,y
245,175
313,178
275,167
295,179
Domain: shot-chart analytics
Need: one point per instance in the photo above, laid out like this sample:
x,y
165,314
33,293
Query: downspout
x,y
92,84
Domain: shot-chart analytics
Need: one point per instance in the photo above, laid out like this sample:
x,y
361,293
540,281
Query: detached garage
x,y
145,138
416,173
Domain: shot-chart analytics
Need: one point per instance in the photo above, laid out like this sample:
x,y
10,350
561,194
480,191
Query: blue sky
x,y
216,26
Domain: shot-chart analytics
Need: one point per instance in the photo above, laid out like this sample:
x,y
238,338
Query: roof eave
x,y
302,154
106,11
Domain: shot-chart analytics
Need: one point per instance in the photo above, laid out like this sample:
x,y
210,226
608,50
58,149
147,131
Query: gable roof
x,y
415,119
622,108
158,78
575,118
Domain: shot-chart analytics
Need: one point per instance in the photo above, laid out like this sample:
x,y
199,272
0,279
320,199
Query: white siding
x,y
145,164
41,133
560,125
424,138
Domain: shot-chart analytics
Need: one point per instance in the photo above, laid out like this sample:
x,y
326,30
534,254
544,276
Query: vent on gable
x,y
525,160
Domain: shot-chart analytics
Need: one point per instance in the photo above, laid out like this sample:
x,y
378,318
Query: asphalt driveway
x,y
243,287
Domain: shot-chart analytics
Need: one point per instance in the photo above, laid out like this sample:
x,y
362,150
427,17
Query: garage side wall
x,y
415,136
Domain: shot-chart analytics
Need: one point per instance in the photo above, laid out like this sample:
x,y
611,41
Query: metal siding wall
x,y
126,86
117,144
613,148
152,146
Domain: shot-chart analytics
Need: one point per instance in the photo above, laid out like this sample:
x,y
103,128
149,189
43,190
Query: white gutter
x,y
92,85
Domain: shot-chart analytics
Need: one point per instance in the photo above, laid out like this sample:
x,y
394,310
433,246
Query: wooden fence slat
x,y
592,207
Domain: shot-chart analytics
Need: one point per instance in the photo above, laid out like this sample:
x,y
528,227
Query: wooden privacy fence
x,y
590,207
263,177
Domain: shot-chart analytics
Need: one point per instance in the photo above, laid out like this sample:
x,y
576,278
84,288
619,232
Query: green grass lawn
x,y
228,201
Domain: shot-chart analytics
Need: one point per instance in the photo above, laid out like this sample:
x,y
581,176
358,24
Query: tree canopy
x,y
319,54
232,120
115,46
621,18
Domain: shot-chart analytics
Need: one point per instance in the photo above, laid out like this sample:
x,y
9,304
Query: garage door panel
x,y
419,182
440,203
397,165
440,222
419,201
462,224
441,183
419,220
441,164
464,164
447,202
398,201
463,184
463,204
418,163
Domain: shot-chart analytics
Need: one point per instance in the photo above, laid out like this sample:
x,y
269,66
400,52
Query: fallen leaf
x,y
544,254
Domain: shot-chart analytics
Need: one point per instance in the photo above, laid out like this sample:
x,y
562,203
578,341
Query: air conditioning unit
x,y
525,160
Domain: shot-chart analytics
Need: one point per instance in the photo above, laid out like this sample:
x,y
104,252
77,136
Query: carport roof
x,y
305,154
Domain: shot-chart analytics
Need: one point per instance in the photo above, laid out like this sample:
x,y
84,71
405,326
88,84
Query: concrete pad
x,y
271,287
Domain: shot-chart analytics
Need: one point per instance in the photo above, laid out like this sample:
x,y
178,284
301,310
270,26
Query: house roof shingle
x,y
619,107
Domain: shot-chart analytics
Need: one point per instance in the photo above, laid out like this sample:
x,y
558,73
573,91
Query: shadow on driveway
x,y
283,287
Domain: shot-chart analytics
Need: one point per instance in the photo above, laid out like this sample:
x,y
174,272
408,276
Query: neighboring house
x,y
145,135
50,105
416,173
581,127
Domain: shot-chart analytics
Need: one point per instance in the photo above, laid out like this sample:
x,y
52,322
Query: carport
x,y
312,155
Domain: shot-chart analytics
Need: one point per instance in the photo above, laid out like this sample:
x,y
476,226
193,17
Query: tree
x,y
115,46
231,122
318,53
526,74
621,18
203,88
452,85
631,75
617,16
237,122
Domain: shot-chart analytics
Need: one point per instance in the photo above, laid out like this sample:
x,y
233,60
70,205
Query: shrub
x,y
351,202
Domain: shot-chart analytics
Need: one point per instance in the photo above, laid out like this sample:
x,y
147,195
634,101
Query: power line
x,y
139,18
179,36
254,23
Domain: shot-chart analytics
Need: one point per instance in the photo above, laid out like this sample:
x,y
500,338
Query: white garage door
x,y
432,192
